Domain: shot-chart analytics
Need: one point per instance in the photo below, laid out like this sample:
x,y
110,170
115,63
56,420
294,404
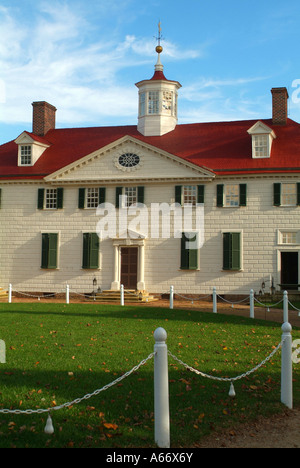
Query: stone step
x,y
129,296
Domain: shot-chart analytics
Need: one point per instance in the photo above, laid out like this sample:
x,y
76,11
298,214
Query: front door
x,y
129,267
289,270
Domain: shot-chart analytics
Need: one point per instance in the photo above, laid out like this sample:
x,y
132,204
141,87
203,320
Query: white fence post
x,y
214,300
161,390
287,366
285,307
9,292
252,304
122,294
67,294
171,297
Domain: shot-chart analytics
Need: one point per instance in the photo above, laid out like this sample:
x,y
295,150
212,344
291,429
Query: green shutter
x,y
200,194
45,249
189,257
226,251
178,192
220,190
41,195
236,251
52,251
243,194
102,195
298,194
85,252
60,198
184,264
94,250
140,194
119,191
81,198
90,257
231,251
49,251
277,194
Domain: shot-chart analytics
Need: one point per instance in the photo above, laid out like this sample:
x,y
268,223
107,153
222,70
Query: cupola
x,y
158,111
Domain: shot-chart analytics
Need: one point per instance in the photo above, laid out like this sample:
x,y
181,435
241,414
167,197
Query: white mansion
x,y
245,175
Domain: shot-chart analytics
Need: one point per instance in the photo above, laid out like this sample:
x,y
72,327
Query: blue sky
x,y
85,57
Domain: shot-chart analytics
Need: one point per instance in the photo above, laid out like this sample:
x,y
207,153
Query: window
x,y
50,199
289,237
91,197
231,251
153,102
129,160
231,195
26,155
142,103
131,196
90,255
128,196
189,251
260,146
49,251
286,194
167,102
189,194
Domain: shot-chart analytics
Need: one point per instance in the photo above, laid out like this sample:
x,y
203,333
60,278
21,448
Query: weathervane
x,y
159,48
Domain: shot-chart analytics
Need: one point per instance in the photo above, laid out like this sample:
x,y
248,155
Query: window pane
x,y
288,194
289,237
131,194
25,155
167,102
232,195
190,194
51,198
261,146
92,197
153,103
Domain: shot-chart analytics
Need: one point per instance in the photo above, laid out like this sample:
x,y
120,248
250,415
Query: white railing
x,y
161,384
215,298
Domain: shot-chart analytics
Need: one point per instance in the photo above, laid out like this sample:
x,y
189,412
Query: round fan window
x,y
129,160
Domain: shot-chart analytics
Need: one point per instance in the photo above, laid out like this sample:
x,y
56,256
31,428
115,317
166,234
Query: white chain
x,y
79,400
226,379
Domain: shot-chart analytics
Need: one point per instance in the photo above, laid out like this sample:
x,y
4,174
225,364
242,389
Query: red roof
x,y
223,147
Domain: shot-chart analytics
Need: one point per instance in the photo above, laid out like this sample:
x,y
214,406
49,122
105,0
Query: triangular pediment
x,y
129,159
261,128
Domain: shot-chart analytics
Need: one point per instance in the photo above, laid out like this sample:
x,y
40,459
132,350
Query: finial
x,y
159,48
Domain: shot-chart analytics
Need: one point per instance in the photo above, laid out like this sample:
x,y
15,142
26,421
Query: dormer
x,y
30,148
262,139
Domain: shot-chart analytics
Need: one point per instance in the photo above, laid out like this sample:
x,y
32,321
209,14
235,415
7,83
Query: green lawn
x,y
57,353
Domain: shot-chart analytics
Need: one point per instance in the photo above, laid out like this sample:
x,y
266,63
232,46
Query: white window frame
x,y
292,195
282,233
25,155
189,195
91,197
50,199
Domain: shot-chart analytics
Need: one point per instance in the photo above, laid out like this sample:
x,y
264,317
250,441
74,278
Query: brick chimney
x,y
43,118
280,106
